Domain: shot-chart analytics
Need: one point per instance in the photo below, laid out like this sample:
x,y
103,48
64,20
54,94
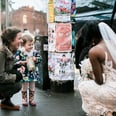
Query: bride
x,y
99,94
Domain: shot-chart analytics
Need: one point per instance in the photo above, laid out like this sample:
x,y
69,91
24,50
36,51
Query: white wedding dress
x,y
97,99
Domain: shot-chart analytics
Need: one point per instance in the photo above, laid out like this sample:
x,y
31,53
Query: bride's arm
x,y
96,58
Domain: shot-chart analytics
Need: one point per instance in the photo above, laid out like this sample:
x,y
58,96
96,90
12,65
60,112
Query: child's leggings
x,y
30,85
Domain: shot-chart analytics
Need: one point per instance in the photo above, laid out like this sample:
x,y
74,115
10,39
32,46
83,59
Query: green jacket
x,y
6,64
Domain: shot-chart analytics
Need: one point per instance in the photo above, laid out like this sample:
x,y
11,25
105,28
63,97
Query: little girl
x,y
28,56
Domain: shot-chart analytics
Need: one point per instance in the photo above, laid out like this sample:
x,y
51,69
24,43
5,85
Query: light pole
x,y
0,18
0,25
7,13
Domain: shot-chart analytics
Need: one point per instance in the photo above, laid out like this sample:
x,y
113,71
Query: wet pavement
x,y
50,104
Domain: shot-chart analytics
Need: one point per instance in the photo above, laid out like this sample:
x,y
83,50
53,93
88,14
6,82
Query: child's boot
x,y
24,98
31,98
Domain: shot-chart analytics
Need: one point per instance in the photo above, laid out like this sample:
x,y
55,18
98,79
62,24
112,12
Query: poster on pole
x,y
51,37
60,67
51,65
63,37
62,10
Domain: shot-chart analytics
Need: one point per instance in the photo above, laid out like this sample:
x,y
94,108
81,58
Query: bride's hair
x,y
87,33
93,32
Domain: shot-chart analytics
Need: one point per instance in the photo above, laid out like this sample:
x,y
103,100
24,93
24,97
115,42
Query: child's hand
x,y
21,69
34,59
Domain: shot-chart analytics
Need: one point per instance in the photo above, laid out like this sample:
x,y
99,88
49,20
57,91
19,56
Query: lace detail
x,y
109,71
97,99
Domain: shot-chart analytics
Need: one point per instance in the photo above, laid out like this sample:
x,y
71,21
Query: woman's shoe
x,y
8,105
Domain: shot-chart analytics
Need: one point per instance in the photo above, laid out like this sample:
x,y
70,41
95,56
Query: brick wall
x,y
27,17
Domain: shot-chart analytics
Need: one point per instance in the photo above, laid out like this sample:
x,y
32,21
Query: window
x,y
93,9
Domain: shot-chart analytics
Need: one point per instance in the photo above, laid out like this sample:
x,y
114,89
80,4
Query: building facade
x,y
28,18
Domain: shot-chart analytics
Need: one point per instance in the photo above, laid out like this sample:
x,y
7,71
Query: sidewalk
x,y
49,104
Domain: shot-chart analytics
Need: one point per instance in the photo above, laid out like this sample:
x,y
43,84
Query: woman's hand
x,y
22,62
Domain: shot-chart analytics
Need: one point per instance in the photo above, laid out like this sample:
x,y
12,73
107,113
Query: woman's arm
x,y
96,58
4,76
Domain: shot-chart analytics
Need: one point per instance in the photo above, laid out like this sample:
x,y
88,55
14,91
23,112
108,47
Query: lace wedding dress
x,y
97,99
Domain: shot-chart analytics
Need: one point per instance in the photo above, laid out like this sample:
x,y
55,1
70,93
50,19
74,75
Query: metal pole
x,y
0,26
0,17
6,20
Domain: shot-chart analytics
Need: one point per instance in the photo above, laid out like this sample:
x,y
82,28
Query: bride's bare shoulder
x,y
97,52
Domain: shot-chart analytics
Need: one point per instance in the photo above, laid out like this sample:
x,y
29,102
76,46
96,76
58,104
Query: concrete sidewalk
x,y
48,104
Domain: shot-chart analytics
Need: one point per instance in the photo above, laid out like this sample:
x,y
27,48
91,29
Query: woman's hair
x,y
88,33
9,35
27,37
93,32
